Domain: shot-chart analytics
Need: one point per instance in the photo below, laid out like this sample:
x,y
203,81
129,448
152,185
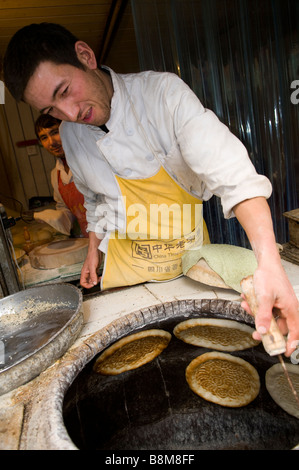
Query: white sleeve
x,y
72,144
90,203
213,152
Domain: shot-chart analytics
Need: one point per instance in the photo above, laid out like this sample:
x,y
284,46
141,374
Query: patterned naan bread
x,y
279,388
223,379
132,351
219,334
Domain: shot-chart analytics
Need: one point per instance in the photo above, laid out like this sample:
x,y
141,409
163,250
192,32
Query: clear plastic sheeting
x,y
241,58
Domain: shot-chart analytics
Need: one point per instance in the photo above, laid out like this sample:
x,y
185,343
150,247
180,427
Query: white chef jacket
x,y
156,119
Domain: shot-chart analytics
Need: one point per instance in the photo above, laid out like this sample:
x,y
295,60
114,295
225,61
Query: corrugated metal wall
x,y
240,57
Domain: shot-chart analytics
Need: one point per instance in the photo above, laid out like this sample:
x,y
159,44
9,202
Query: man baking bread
x,y
138,139
69,217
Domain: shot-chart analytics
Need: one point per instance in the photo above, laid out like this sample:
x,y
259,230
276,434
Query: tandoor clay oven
x,y
152,407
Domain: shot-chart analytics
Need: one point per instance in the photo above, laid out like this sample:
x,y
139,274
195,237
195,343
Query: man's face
x,y
69,93
50,139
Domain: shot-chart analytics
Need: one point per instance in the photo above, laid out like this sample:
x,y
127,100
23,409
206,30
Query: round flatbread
x,y
222,335
279,388
223,379
132,352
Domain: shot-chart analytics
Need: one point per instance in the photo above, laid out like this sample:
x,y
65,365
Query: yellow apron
x,y
163,221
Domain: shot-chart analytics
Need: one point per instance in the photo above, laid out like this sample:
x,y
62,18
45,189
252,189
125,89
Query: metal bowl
x,y
37,326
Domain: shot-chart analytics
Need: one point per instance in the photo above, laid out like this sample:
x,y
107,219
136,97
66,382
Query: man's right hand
x,y
89,273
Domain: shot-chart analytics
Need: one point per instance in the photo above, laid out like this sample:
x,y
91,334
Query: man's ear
x,y
85,55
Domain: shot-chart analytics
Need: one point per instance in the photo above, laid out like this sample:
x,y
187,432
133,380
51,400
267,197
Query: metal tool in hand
x,y
273,341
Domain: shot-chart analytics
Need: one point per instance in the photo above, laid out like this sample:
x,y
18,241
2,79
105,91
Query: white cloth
x,y
170,127
60,218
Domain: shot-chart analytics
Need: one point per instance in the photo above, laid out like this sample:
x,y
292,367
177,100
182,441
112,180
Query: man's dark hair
x,y
32,45
45,121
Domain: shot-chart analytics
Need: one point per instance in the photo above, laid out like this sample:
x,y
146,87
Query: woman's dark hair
x,y
32,45
45,121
